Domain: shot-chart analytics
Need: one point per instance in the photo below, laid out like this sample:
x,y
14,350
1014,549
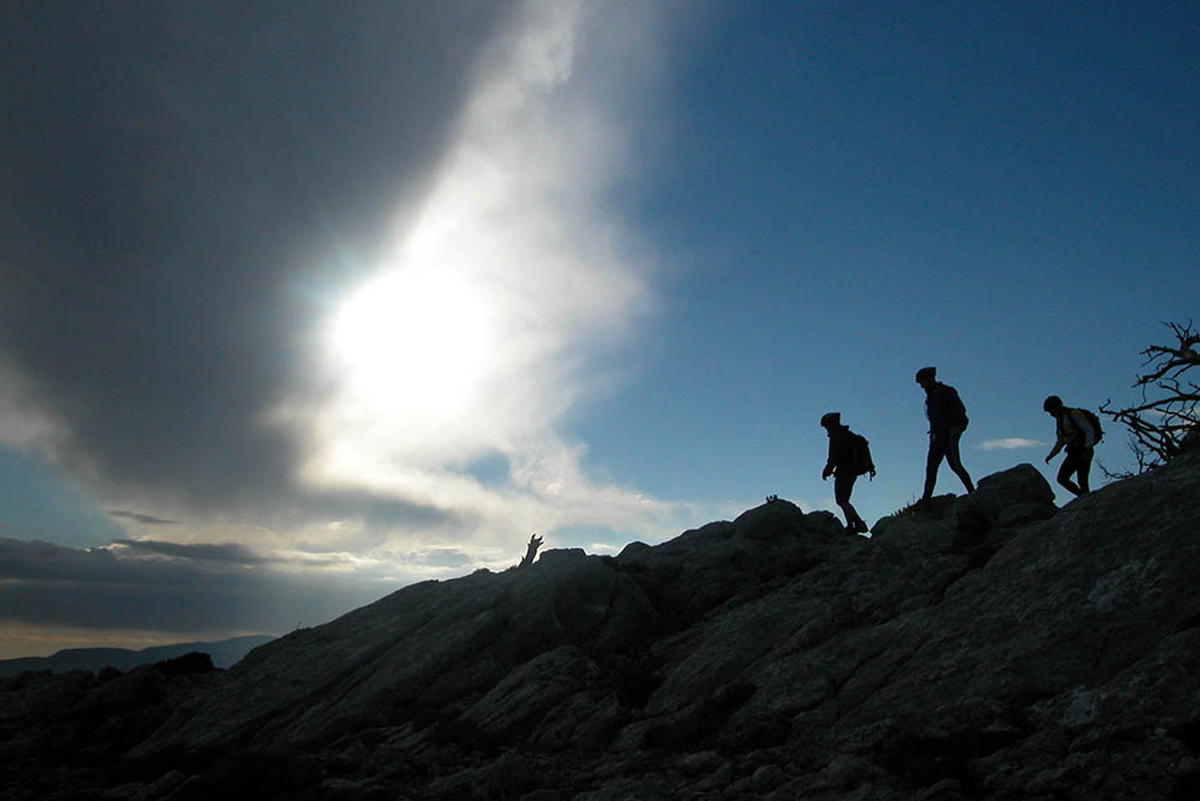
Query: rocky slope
x,y
987,647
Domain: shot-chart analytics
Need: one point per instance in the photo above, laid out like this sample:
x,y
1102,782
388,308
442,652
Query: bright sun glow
x,y
416,340
488,315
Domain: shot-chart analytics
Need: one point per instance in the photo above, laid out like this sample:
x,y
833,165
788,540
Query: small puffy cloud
x,y
1010,444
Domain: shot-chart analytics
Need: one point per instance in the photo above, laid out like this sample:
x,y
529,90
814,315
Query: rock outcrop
x,y
990,647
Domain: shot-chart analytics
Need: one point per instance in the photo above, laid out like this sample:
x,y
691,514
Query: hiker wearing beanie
x,y
849,458
1079,431
947,422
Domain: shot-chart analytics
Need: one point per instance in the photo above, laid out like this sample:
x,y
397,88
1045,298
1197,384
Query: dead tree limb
x,y
531,550
1168,418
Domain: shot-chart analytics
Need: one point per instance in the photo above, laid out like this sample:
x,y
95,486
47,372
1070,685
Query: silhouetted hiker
x,y
947,422
849,458
1079,430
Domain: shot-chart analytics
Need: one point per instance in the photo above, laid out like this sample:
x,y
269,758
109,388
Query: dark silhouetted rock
x,y
990,646
194,662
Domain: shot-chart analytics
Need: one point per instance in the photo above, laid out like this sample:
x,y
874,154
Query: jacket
x,y
944,408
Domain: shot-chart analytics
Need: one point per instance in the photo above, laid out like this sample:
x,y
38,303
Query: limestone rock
x,y
982,647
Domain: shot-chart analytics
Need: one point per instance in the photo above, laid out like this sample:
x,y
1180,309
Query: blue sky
x,y
350,298
1003,191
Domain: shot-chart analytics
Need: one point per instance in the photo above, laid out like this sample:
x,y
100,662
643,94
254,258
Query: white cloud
x,y
481,332
1010,443
494,315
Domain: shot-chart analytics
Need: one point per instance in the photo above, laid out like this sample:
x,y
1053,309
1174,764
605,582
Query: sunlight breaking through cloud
x,y
479,335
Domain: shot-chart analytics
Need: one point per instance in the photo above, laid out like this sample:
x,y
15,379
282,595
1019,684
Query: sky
x,y
304,302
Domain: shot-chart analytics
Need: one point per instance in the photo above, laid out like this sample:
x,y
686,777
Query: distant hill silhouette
x,y
987,647
224,654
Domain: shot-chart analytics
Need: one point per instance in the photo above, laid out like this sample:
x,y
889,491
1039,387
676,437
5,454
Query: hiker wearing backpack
x,y
1078,430
947,422
849,458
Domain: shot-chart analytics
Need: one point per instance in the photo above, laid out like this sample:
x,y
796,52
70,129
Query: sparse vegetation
x,y
1167,419
911,508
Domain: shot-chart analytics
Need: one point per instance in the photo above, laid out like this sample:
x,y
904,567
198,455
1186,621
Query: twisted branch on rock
x,y
1163,426
531,550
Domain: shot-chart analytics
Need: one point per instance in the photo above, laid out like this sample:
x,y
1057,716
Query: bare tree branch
x,y
531,550
1165,423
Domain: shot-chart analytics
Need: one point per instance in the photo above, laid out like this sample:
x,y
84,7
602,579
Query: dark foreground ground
x,y
992,647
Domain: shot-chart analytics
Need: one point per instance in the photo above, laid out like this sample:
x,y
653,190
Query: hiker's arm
x,y
1058,445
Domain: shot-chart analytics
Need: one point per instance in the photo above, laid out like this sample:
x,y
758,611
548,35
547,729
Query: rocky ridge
x,y
990,647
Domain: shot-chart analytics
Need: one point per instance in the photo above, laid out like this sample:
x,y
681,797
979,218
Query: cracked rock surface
x,y
990,647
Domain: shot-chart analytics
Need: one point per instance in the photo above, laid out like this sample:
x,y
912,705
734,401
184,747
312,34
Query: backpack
x,y
955,413
861,451
1094,422
954,403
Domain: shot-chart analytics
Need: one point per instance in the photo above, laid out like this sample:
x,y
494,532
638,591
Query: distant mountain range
x,y
224,653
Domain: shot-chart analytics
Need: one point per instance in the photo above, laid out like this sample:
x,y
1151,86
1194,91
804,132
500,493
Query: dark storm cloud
x,y
52,585
22,561
138,517
182,187
227,552
207,555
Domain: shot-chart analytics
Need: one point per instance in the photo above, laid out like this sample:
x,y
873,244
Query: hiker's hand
x,y
1048,458
872,472
825,473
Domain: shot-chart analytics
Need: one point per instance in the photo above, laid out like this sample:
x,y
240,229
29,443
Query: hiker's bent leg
x,y
1085,467
932,462
955,460
842,487
1069,467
